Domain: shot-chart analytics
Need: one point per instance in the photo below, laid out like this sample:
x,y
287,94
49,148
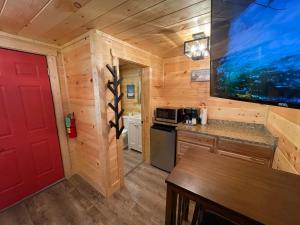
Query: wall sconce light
x,y
198,48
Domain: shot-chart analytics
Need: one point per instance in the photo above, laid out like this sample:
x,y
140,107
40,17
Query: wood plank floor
x,y
131,160
74,202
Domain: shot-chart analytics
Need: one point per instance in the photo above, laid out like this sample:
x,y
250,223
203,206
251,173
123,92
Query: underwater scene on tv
x,y
255,51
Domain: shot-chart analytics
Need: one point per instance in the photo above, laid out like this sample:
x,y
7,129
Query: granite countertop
x,y
247,132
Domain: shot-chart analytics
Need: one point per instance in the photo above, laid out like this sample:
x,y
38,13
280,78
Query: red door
x,y
29,149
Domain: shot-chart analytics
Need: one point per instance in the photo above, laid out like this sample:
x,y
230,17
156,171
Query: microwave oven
x,y
168,115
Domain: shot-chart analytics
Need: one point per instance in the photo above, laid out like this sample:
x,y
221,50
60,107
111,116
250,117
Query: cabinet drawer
x,y
195,138
245,149
260,161
182,147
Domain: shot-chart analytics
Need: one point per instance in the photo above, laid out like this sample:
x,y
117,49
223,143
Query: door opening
x,y
132,135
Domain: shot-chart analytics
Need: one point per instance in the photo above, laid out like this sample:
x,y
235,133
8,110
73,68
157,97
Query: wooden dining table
x,y
240,192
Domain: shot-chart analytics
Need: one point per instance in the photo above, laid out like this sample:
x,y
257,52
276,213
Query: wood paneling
x,y
153,25
284,123
77,85
64,15
109,51
59,114
131,75
17,14
27,45
178,90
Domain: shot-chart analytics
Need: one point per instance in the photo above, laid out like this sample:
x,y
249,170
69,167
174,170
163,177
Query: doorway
x,y
131,87
30,157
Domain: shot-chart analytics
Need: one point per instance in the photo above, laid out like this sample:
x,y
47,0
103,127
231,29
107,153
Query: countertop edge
x,y
273,145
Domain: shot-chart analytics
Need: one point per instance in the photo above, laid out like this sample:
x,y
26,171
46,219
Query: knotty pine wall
x,y
109,50
96,155
77,88
177,90
285,124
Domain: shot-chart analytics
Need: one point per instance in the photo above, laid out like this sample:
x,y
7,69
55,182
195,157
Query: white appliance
x,y
124,135
133,127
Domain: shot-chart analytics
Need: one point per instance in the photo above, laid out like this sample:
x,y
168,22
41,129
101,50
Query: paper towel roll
x,y
204,116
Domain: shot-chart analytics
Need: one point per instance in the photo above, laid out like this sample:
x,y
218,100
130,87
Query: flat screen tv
x,y
255,51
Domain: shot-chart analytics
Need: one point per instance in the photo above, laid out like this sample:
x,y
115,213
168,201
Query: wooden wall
x,y
285,123
77,87
131,75
176,89
96,154
108,50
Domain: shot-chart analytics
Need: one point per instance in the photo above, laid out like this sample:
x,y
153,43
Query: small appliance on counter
x,y
203,114
168,115
191,116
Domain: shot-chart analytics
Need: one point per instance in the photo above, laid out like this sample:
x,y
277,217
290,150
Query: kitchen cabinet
x,y
182,147
135,134
243,157
251,152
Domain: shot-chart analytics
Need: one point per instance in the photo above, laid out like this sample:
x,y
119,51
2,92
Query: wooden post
x,y
57,100
171,206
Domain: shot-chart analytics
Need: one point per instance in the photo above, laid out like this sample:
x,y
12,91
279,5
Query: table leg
x,y
195,215
198,215
186,206
180,210
171,205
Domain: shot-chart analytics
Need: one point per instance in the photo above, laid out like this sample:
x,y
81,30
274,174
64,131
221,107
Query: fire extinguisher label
x,y
68,121
71,125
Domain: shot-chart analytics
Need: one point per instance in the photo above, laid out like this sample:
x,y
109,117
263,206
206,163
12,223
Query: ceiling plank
x,y
175,34
124,10
87,13
2,6
129,8
195,25
55,12
162,9
196,10
152,41
157,26
17,13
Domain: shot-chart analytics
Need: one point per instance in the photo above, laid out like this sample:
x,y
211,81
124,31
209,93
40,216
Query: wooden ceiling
x,y
158,26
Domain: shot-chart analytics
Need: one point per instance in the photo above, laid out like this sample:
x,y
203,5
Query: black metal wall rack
x,y
113,87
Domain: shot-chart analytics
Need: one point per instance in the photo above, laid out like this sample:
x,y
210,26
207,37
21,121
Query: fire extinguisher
x,y
70,125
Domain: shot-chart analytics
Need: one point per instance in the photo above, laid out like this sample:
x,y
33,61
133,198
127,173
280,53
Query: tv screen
x,y
255,51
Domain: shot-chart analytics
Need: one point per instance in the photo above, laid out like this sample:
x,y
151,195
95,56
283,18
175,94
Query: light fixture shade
x,y
197,49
